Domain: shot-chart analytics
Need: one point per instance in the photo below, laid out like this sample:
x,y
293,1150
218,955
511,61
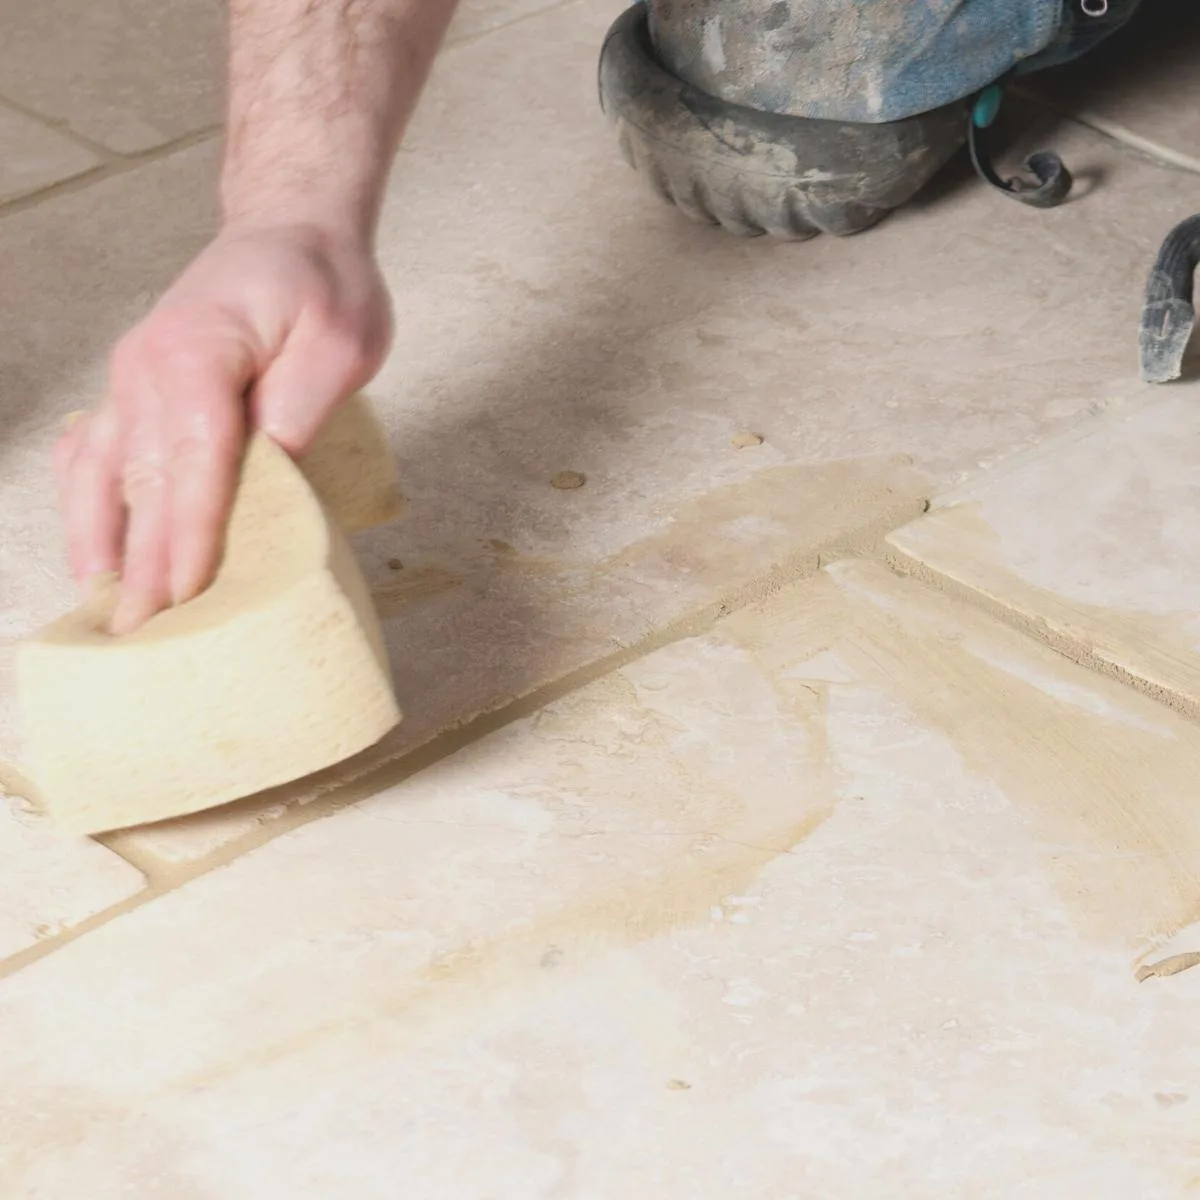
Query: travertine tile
x,y
1143,86
133,74
33,157
478,626
552,316
129,74
49,883
475,17
1093,540
837,901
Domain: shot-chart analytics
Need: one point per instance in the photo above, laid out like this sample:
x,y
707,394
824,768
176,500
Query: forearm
x,y
319,94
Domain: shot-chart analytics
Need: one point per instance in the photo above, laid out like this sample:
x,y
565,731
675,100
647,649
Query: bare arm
x,y
320,92
285,308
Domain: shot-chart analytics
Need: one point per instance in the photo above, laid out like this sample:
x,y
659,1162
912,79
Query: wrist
x,y
341,215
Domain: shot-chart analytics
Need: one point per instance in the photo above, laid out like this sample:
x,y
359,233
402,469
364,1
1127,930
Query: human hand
x,y
270,328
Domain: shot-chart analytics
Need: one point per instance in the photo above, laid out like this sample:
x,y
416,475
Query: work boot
x,y
794,117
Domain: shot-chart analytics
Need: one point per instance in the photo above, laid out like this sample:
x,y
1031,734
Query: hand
x,y
269,328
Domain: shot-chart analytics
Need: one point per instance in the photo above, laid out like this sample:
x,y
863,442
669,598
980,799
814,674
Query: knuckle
x,y
211,426
203,452
352,348
169,341
142,479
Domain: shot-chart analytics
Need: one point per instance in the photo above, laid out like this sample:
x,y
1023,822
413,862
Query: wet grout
x,y
164,878
867,543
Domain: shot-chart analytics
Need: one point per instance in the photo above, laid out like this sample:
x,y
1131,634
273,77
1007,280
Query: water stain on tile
x,y
18,790
689,833
803,513
547,619
1166,967
746,441
479,980
133,1146
956,550
1105,776
416,584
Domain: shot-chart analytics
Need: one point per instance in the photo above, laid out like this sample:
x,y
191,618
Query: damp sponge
x,y
275,671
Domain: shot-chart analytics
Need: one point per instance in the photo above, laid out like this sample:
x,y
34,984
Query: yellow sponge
x,y
276,671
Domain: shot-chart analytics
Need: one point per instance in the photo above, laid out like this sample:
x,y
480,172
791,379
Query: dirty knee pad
x,y
756,172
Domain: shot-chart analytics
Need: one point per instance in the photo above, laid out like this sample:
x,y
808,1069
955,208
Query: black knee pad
x,y
756,172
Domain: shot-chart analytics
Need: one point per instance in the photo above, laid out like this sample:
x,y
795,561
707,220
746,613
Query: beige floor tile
x,y
1093,541
842,900
552,316
1144,85
476,17
33,157
129,74
49,884
133,74
474,627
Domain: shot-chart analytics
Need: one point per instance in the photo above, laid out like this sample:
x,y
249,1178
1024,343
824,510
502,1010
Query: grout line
x,y
114,163
1133,144
1034,628
1114,132
31,954
869,543
62,127
1118,408
378,776
108,170
1163,155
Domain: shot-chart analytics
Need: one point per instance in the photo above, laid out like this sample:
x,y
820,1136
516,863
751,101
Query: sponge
x,y
277,670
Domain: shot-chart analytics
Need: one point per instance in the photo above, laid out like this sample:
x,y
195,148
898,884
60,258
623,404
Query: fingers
x,y
145,572
146,482
88,469
145,486
184,396
203,473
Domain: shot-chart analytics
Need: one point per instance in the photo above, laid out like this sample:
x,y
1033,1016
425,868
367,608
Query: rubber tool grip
x,y
1168,315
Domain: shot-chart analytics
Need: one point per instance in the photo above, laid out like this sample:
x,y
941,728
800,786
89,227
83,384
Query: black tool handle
x,y
1168,315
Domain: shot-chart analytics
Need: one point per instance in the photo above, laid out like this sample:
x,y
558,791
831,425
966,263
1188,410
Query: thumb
x,y
316,370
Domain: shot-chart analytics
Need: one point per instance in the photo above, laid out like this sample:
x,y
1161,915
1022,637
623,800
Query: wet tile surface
x,y
1093,540
553,317
845,894
51,884
797,908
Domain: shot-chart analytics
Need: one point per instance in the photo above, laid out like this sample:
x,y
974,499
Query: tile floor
x,y
751,832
